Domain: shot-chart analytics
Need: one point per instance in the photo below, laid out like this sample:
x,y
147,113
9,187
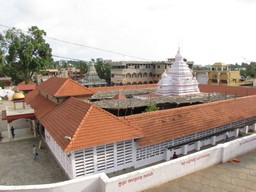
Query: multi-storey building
x,y
220,74
140,72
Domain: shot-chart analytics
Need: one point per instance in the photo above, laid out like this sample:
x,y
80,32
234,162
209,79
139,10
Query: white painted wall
x,y
151,176
170,170
90,183
202,77
164,172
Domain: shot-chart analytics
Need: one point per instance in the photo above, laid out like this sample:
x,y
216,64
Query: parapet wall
x,y
151,176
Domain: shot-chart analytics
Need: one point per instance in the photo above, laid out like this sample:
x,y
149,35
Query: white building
x,y
86,139
178,79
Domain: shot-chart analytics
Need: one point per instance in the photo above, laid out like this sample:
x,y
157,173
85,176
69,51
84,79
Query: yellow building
x,y
220,74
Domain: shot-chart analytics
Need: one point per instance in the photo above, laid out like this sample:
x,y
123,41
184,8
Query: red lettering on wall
x,y
134,179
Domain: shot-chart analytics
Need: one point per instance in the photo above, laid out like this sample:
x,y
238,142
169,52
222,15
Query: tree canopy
x,y
103,69
23,54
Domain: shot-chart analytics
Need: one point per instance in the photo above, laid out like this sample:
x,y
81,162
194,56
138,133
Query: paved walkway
x,y
224,177
17,166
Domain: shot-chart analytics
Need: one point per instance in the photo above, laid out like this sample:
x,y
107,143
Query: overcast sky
x,y
207,31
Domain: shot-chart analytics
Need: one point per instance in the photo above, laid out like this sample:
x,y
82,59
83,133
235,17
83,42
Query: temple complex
x,y
177,80
91,78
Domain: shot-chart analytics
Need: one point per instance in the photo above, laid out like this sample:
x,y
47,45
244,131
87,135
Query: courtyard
x,y
17,166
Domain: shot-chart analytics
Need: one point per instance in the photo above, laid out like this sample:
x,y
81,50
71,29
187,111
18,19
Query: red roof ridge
x,y
68,80
63,85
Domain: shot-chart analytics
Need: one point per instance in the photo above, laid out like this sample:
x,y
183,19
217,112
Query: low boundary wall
x,y
151,176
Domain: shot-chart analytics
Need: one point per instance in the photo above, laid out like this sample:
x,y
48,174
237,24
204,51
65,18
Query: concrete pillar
x,y
253,127
246,129
198,145
167,153
185,149
9,131
33,124
236,133
213,140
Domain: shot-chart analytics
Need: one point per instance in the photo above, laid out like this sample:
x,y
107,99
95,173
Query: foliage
x,y
200,68
82,66
246,70
103,69
152,106
250,70
24,54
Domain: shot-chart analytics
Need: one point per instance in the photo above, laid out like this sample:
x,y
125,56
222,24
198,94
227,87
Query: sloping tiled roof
x,y
160,126
122,87
119,96
31,95
86,124
109,92
25,87
42,106
63,87
228,90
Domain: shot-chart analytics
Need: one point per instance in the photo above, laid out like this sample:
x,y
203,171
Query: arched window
x,y
128,75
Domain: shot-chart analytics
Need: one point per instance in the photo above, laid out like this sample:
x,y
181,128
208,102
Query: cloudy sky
x,y
207,31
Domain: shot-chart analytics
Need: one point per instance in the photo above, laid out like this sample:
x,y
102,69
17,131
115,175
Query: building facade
x,y
140,72
219,74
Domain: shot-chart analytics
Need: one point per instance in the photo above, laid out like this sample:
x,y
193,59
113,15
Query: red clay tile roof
x,y
31,95
25,87
239,91
42,106
119,96
86,124
160,126
63,87
229,90
122,87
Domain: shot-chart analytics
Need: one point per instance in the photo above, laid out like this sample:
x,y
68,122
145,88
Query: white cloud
x,y
207,30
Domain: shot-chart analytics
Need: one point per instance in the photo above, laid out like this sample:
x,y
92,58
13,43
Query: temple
x,y
177,80
92,78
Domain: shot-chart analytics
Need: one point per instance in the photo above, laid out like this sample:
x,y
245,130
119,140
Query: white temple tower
x,y
177,80
92,78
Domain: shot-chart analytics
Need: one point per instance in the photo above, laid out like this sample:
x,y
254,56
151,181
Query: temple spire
x,y
178,80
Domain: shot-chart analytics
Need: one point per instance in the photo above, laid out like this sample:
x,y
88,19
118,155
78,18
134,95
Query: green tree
x,y
152,106
103,69
82,66
25,54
